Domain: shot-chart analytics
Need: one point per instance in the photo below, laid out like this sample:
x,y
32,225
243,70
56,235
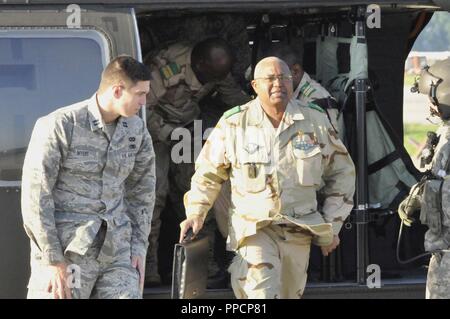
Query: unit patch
x,y
304,141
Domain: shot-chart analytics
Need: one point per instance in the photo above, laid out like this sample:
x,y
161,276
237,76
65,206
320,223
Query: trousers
x,y
272,264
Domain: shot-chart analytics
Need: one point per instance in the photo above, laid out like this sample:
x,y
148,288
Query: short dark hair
x,y
287,54
124,68
202,50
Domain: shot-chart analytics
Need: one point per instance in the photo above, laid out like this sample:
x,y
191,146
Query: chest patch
x,y
304,141
252,148
169,70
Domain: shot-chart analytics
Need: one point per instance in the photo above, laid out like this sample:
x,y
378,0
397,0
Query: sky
x,y
436,35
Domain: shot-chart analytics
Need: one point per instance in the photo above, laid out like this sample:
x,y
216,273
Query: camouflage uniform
x,y
435,213
274,175
309,91
172,103
87,199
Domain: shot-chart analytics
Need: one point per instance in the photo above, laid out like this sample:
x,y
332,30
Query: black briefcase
x,y
190,268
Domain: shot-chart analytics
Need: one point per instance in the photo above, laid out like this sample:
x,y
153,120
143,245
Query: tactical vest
x,y
435,196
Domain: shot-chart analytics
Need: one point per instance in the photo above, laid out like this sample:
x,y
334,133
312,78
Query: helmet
x,y
435,82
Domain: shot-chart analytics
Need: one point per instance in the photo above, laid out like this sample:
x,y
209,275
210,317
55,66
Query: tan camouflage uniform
x,y
435,213
172,103
310,91
87,199
274,175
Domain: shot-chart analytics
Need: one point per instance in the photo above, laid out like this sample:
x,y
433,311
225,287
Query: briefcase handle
x,y
188,237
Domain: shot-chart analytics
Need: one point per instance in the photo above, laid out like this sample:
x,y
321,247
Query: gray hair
x,y
262,64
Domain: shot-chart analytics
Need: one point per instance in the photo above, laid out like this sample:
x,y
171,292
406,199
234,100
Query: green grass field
x,y
416,136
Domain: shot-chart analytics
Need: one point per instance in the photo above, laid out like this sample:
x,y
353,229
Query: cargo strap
x,y
383,162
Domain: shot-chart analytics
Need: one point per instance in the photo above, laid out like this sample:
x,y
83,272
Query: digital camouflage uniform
x,y
274,175
172,103
87,199
310,91
435,213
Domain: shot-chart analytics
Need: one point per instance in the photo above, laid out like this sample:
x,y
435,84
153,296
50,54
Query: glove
x,y
407,208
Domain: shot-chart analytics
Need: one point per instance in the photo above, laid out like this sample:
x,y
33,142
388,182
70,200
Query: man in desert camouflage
x,y
277,154
88,190
307,90
182,75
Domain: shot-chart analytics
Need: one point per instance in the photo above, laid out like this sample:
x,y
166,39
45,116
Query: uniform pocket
x,y
309,165
127,160
254,177
254,161
124,158
431,206
80,160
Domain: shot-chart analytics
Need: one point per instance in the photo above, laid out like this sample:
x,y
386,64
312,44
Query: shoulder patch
x,y
304,87
315,107
234,110
169,70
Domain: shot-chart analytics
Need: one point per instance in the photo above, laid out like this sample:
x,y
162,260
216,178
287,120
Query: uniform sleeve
x,y
140,195
441,160
231,93
212,169
339,180
47,147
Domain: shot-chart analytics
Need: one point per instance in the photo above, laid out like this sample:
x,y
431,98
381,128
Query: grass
x,y
416,136
409,80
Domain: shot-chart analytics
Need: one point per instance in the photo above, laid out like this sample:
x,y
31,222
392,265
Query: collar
x,y
255,115
306,79
121,129
95,117
293,112
96,121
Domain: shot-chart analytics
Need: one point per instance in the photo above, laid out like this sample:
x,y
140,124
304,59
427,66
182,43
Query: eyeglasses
x,y
273,78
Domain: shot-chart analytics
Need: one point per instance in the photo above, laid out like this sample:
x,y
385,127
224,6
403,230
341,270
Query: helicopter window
x,y
40,72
